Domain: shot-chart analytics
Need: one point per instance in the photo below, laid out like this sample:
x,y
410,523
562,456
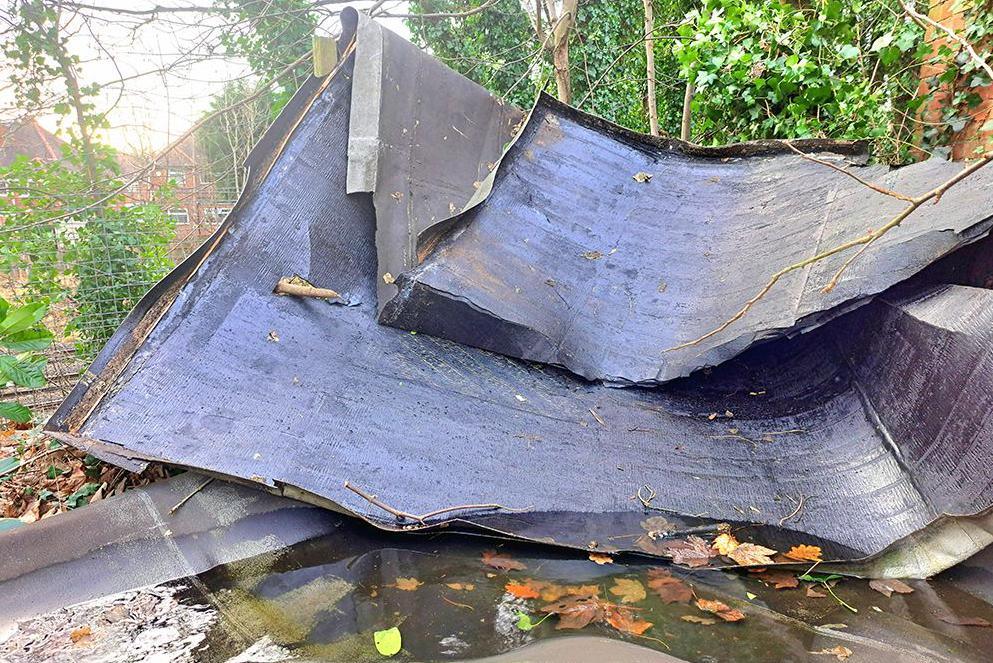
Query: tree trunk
x,y
684,131
653,110
560,49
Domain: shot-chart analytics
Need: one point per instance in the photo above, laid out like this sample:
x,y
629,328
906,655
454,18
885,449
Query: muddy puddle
x,y
325,598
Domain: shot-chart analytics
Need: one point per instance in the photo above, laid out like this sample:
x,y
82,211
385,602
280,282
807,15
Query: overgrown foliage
x,y
71,235
270,36
22,338
776,69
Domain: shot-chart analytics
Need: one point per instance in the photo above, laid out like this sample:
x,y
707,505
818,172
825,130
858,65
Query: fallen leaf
x,y
886,587
722,610
692,551
552,592
522,590
965,621
668,588
629,590
779,579
750,596
625,621
750,554
839,652
524,621
388,642
407,584
591,255
834,627
601,558
814,594
696,619
576,612
461,586
502,562
80,633
642,177
726,543
804,553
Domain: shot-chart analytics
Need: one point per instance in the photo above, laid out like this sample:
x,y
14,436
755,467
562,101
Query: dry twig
x,y
403,515
286,286
864,241
186,499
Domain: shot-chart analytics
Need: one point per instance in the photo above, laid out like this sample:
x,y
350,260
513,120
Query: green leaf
x,y
820,577
881,42
8,464
22,318
29,340
22,373
15,412
388,642
849,51
82,495
524,621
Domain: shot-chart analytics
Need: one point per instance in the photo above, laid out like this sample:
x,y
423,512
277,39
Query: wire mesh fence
x,y
93,271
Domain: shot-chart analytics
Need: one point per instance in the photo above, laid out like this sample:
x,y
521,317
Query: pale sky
x,y
151,110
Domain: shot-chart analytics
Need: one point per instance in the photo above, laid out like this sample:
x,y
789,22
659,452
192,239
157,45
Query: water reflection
x,y
323,599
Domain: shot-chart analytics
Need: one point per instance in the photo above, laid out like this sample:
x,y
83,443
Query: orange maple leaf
x,y
523,590
804,553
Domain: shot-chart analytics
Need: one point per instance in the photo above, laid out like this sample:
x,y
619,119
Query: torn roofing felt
x,y
214,371
422,139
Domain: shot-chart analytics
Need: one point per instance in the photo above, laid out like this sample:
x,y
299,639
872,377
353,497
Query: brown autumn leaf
x,y
522,590
804,553
692,551
778,579
552,592
81,633
839,652
668,588
502,562
624,621
629,590
696,619
461,586
407,584
965,621
722,610
576,612
750,554
814,594
725,543
657,526
886,587
601,558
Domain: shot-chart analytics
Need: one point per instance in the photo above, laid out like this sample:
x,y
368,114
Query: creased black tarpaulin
x,y
572,261
213,371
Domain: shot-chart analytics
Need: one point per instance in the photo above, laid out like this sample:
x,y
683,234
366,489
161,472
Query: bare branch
x,y
864,242
845,171
924,21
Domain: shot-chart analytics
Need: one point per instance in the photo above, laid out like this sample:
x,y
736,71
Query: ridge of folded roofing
x,y
604,251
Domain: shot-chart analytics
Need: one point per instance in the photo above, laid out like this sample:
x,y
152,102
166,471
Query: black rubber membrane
x,y
572,261
878,423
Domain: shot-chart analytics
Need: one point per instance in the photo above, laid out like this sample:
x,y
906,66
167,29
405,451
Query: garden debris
x,y
888,586
722,610
191,377
501,561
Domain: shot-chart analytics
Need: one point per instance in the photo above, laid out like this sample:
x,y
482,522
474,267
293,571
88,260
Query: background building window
x,y
180,216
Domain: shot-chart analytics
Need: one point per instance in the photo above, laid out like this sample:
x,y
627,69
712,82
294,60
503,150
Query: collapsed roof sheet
x,y
573,261
214,371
